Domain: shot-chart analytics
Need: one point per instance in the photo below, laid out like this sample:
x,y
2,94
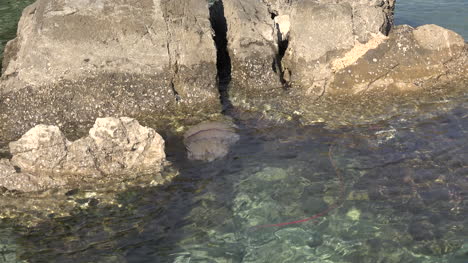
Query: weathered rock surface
x,y
374,80
408,60
114,146
26,182
253,50
41,149
329,53
74,61
277,44
210,140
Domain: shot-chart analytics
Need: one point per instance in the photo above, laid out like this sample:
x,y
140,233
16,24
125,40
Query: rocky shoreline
x,y
173,63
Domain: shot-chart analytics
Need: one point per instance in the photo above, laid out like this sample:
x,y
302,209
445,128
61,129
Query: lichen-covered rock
x,y
210,140
115,146
26,182
41,149
122,144
74,61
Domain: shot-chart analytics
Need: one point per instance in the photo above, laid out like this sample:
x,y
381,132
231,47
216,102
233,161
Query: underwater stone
x,y
209,141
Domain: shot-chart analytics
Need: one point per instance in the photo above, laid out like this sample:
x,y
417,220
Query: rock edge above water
x,y
44,158
156,61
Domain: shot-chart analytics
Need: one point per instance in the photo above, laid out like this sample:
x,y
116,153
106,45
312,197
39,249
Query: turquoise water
x,y
392,191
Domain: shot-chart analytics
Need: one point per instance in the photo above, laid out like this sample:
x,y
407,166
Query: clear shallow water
x,y
405,200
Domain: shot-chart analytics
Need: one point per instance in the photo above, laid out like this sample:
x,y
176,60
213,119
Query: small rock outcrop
x,y
210,140
409,59
74,61
43,157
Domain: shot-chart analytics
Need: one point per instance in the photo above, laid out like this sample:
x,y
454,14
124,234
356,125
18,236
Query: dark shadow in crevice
x,y
223,61
282,47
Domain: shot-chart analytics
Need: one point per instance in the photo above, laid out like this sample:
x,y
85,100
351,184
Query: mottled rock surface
x,y
311,59
74,61
253,50
280,44
26,182
210,140
115,146
41,149
410,59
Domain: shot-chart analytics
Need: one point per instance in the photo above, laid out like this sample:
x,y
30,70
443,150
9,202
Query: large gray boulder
x,y
44,158
73,61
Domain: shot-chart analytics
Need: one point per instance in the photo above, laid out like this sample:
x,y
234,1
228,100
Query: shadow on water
x,y
406,195
152,224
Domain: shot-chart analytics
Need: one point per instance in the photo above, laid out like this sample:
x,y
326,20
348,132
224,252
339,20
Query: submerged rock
x,y
74,61
209,141
44,157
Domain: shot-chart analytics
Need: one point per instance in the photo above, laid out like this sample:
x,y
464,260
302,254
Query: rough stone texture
x,y
322,31
73,61
336,54
434,37
253,49
209,141
409,60
41,149
314,33
26,182
44,157
123,144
